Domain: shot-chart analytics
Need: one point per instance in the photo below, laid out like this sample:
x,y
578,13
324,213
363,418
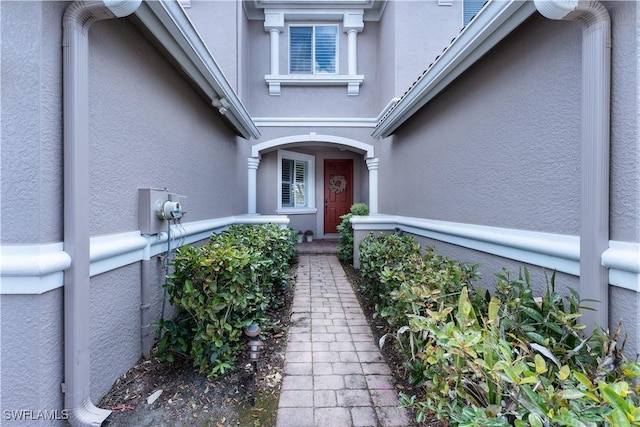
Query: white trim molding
x,y
36,268
330,122
553,251
39,268
312,137
352,82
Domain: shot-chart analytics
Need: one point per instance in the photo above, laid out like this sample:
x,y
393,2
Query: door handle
x,y
326,204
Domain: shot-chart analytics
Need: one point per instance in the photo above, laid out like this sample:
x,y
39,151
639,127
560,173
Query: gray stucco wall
x,y
148,128
31,350
430,27
31,130
151,129
501,146
217,24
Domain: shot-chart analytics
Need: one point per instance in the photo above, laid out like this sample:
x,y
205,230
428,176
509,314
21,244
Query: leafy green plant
x,y
498,359
345,241
221,288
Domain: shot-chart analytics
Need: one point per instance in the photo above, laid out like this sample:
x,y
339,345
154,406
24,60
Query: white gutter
x,y
78,17
492,24
594,197
170,26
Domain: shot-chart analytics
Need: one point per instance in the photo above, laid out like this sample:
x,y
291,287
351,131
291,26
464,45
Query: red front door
x,y
338,191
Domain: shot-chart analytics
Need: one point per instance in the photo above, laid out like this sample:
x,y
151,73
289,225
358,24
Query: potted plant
x,y
300,236
308,235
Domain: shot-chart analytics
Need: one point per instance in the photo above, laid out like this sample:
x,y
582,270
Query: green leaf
x,y
569,394
545,352
615,400
582,379
541,367
532,313
534,420
564,373
494,309
619,419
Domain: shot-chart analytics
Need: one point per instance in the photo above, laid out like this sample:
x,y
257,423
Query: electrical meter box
x,y
148,200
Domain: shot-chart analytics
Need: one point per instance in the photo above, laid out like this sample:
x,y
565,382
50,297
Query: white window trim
x,y
311,184
313,50
352,24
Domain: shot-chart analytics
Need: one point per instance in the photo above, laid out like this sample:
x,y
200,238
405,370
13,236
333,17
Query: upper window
x,y
296,188
470,8
313,49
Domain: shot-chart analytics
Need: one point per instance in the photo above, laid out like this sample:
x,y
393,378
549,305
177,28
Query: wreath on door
x,y
337,184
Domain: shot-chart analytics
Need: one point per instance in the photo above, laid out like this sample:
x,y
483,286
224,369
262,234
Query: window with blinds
x,y
313,49
293,183
470,8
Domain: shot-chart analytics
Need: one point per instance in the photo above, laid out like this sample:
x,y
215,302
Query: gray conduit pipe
x,y
146,335
596,107
76,22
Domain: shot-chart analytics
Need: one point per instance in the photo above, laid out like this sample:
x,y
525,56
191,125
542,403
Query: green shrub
x,y
495,360
221,288
345,241
401,280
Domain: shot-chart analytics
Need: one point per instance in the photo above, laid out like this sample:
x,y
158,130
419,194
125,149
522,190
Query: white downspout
x,y
594,204
76,22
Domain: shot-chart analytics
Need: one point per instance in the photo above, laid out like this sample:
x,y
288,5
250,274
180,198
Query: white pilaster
x,y
352,24
275,51
372,165
274,25
352,38
252,184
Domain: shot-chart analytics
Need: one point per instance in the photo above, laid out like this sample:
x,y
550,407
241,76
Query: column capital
x,y
372,163
274,20
253,162
353,21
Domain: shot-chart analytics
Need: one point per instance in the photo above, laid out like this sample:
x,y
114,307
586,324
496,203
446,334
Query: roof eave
x,y
488,28
170,26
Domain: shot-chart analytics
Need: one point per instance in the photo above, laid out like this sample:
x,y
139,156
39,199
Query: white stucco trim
x,y
623,261
332,122
312,137
351,122
39,268
553,251
36,268
352,82
492,24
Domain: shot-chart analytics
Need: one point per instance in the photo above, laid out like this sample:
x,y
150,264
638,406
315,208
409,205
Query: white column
x,y
275,51
252,184
353,23
352,38
372,164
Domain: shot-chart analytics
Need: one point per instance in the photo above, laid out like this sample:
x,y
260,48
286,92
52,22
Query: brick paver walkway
x,y
334,374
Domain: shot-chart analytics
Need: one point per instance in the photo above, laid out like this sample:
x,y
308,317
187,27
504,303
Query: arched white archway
x,y
312,137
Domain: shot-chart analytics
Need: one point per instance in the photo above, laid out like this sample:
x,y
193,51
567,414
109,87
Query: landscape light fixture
x,y
255,347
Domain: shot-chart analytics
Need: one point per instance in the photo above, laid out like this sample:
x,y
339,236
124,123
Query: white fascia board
x,y
169,24
489,27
